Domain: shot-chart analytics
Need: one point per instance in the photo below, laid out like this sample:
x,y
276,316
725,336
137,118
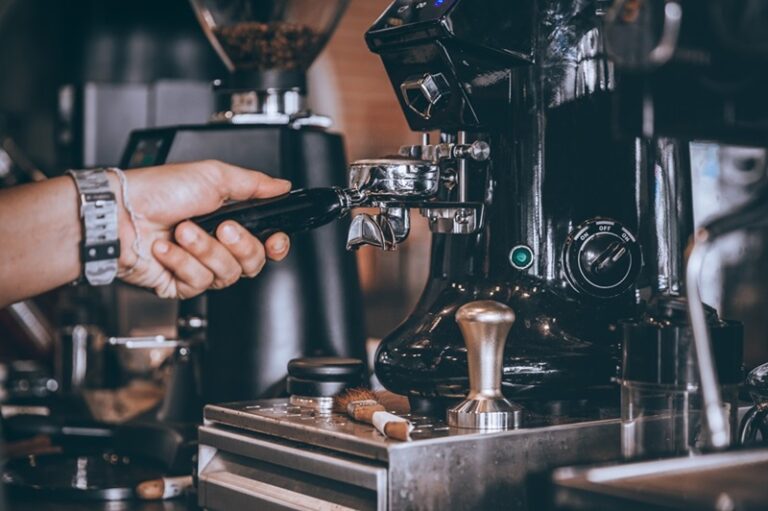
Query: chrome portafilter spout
x,y
485,326
393,185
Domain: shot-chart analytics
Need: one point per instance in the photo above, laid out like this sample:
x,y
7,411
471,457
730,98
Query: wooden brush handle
x,y
398,430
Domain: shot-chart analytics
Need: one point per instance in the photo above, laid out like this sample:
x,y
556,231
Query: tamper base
x,y
485,414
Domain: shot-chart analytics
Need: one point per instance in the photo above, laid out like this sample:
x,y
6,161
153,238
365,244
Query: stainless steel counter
x,y
269,455
718,482
23,504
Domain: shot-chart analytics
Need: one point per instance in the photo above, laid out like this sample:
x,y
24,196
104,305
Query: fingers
x,y
191,277
244,247
235,252
211,253
200,262
240,184
277,246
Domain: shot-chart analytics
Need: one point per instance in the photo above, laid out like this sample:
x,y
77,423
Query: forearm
x,y
40,237
41,233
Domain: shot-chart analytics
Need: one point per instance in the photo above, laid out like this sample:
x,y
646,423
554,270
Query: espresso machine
x,y
533,197
559,194
309,304
550,226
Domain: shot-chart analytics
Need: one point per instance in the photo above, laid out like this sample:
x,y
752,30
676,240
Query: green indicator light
x,y
521,257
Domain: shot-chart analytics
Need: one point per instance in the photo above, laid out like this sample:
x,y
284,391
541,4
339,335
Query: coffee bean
x,y
254,45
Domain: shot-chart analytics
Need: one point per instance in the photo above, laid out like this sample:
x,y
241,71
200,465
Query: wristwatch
x,y
100,248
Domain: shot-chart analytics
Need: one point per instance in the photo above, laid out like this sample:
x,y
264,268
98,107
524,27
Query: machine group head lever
x,y
391,184
297,211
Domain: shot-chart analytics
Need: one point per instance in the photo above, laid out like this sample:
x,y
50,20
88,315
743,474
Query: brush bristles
x,y
362,404
342,401
363,410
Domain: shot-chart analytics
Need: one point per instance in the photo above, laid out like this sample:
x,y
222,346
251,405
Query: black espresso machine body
x,y
308,304
564,197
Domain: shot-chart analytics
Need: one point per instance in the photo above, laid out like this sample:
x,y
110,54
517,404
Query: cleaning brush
x,y
362,405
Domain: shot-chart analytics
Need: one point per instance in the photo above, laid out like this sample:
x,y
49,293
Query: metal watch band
x,y
100,248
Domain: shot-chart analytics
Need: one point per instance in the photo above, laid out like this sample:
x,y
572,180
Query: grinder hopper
x,y
269,40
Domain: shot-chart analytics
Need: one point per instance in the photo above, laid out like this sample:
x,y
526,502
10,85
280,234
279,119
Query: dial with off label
x,y
602,258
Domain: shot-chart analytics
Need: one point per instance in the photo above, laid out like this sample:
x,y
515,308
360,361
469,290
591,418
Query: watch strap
x,y
100,248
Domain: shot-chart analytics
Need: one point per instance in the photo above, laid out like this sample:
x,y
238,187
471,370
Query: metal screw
x,y
478,151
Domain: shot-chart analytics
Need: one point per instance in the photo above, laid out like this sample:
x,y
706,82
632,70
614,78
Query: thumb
x,y
241,184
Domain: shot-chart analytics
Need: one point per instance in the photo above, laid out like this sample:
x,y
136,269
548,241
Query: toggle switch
x,y
424,94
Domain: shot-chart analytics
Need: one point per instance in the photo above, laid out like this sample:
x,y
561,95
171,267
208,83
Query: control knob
x,y
602,258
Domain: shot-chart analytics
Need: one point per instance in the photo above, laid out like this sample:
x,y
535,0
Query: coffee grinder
x,y
309,304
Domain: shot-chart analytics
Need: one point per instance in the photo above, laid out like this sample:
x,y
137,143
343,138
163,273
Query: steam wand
x,y
750,215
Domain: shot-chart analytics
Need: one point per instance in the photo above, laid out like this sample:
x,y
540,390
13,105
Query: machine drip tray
x,y
266,453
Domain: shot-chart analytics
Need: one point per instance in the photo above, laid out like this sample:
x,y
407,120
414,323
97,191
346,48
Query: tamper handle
x,y
297,211
485,326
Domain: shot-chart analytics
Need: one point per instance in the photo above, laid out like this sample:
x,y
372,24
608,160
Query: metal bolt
x,y
461,216
480,151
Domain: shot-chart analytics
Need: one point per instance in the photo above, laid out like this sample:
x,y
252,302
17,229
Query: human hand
x,y
178,258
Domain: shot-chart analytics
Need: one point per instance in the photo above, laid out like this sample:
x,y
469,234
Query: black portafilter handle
x,y
296,211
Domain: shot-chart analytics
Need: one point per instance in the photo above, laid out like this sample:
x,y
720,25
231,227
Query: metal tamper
x,y
485,325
